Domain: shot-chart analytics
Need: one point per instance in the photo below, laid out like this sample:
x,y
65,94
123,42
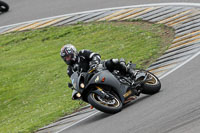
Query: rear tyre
x,y
4,7
105,105
152,86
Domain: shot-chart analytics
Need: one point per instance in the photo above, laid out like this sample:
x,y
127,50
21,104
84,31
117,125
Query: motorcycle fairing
x,y
110,80
140,75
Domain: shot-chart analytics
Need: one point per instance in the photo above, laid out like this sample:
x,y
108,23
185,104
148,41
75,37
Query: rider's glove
x,y
76,67
93,64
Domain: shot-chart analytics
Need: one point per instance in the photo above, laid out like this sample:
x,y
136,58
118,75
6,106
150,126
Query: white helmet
x,y
69,54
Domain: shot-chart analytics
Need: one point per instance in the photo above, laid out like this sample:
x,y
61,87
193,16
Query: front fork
x,y
99,91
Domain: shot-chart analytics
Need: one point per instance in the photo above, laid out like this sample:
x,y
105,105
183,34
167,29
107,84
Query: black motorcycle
x,y
4,7
107,91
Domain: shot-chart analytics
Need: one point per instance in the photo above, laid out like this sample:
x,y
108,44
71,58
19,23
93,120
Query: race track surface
x,y
27,10
176,109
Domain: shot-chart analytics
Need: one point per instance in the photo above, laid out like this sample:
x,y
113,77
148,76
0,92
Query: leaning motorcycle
x,y
109,91
4,7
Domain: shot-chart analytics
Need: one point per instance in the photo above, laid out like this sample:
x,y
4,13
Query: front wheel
x,y
152,85
3,6
111,106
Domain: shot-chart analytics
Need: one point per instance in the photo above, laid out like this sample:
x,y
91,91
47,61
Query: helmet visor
x,y
68,57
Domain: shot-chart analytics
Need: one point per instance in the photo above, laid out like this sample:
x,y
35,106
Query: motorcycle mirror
x,y
132,66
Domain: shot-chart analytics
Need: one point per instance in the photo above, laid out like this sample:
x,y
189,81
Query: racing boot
x,y
132,73
126,69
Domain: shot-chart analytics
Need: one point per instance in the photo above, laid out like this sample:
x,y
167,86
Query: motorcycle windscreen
x,y
74,79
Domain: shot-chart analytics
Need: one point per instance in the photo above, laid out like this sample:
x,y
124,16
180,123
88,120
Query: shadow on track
x,y
140,98
136,101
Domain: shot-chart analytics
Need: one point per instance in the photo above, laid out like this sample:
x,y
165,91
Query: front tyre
x,y
110,106
152,85
4,7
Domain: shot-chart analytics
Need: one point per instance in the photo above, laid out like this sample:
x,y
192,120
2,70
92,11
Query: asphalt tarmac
x,y
176,109
27,10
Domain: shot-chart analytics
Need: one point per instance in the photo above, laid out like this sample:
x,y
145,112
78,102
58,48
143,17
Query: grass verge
x,y
33,81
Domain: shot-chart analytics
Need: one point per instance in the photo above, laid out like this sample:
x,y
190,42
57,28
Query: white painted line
x,y
113,8
78,121
191,58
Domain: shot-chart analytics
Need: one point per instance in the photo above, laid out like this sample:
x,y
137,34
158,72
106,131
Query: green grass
x,y
33,80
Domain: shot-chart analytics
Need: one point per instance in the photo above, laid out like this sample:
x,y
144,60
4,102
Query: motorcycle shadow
x,y
141,98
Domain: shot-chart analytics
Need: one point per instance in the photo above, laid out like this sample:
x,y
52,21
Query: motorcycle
x,y
4,7
109,91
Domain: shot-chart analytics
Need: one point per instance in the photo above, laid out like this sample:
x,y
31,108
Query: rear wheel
x,y
111,106
152,85
3,6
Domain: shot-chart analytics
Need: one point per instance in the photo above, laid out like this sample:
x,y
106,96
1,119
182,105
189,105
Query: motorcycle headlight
x,y
82,85
78,95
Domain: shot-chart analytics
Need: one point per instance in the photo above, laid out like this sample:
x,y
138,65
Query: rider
x,y
86,59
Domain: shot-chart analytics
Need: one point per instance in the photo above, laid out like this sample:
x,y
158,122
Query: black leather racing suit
x,y
86,59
